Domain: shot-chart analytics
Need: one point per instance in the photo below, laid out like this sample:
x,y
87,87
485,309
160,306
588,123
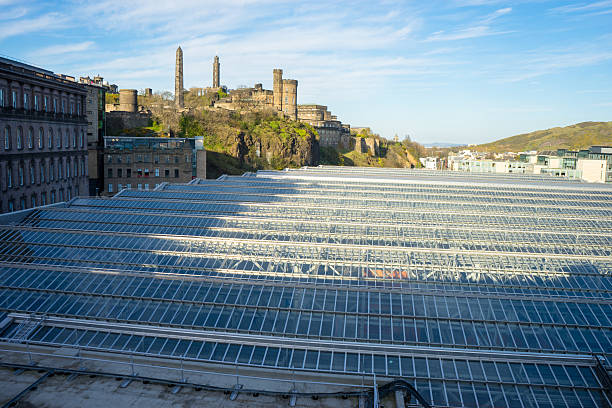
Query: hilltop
x,y
574,137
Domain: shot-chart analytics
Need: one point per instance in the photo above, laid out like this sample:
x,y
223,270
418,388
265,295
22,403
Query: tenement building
x,y
143,163
96,130
42,123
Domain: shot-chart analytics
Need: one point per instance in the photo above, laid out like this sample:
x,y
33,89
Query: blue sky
x,y
440,71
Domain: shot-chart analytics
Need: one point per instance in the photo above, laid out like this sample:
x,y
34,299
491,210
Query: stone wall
x,y
118,120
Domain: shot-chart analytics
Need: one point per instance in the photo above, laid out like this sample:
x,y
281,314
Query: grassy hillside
x,y
578,136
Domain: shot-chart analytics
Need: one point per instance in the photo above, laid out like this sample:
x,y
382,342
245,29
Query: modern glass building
x,y
478,289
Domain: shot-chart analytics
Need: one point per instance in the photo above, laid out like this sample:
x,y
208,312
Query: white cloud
x,y
25,26
481,28
63,49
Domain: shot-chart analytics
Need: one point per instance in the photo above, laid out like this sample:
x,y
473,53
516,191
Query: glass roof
x,y
478,289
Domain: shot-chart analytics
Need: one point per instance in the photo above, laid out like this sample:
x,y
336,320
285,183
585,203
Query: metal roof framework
x,y
479,289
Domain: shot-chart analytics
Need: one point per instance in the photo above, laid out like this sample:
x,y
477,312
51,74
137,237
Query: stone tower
x,y
216,73
290,98
178,79
277,89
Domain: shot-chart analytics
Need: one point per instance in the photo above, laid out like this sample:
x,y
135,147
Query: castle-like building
x,y
282,98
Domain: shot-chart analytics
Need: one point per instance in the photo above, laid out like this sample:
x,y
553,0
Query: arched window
x,y
19,138
7,138
67,168
32,178
9,176
41,138
67,139
30,138
59,139
42,172
50,139
75,167
20,174
51,170
82,142
59,169
74,139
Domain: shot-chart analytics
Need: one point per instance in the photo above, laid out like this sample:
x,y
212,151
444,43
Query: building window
x,y
110,173
82,141
26,101
68,193
109,158
41,138
67,139
14,95
19,138
128,159
61,194
43,198
74,139
50,139
176,159
52,196
75,167
22,204
1,97
42,172
30,138
59,170
146,187
72,108
146,172
59,139
78,112
110,187
9,176
128,185
63,111
7,138
68,168
119,172
176,173
36,102
46,103
118,158
32,178
33,201
51,171
139,171
128,172
156,172
166,173
21,174
11,206
139,186
54,105
156,159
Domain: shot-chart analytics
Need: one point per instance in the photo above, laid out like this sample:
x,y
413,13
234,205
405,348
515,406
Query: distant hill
x,y
578,136
443,144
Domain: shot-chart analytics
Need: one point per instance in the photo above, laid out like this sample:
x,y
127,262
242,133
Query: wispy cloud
x,y
584,7
481,28
63,49
30,25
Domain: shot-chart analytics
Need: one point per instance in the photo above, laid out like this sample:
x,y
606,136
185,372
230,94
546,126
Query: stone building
x,y
331,131
145,162
43,155
178,79
283,97
96,130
